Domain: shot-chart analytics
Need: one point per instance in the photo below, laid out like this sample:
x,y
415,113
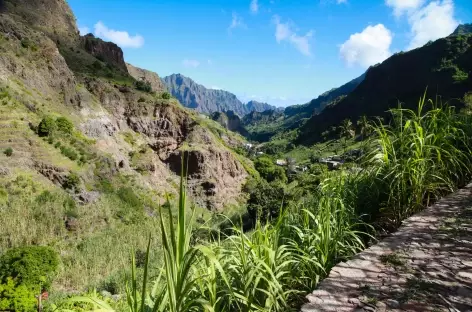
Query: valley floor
x,y
425,266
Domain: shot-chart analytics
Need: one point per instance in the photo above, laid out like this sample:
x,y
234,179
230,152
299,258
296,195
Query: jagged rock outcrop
x,y
55,71
196,96
53,17
145,75
229,120
107,52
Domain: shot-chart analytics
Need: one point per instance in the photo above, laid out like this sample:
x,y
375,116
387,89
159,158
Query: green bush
x,y
8,151
269,171
46,126
16,298
143,85
32,266
64,125
72,182
165,95
57,145
128,196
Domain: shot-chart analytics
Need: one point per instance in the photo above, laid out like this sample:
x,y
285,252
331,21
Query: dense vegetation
x,y
410,162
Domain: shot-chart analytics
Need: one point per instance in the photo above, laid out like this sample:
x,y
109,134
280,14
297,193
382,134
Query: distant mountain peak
x,y
208,100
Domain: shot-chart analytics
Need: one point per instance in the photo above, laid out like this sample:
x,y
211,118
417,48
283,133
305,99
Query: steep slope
x,y
442,66
255,106
90,156
203,100
262,126
148,76
229,120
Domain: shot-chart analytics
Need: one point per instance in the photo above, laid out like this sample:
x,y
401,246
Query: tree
x,y
345,131
268,170
46,126
364,127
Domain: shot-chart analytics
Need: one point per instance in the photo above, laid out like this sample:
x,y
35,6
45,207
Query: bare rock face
x,y
107,52
215,177
146,75
53,17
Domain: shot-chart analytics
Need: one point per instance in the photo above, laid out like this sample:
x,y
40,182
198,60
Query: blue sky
x,y
278,51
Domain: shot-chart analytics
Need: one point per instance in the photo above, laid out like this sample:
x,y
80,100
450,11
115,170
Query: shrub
x,y
72,181
8,151
143,85
57,145
165,95
64,125
127,195
45,197
268,170
32,266
15,297
46,126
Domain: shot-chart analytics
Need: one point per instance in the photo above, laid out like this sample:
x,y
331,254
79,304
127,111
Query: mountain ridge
x,y
204,100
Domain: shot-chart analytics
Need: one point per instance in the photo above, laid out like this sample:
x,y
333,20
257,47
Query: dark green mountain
x,y
463,29
443,67
262,126
203,100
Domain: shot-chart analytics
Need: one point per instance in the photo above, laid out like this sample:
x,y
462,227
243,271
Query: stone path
x,y
425,266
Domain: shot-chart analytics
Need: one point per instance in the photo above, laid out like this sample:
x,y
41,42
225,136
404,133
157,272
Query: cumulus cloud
x,y
190,63
401,7
285,32
434,21
236,22
254,6
368,47
84,30
121,38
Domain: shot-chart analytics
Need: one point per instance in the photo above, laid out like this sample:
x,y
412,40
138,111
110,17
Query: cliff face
x,y
49,68
107,52
53,17
201,99
146,75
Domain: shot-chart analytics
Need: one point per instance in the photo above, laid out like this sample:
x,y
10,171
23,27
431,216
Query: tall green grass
x,y
421,155
418,157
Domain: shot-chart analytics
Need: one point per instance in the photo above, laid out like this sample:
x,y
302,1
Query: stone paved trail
x,y
425,266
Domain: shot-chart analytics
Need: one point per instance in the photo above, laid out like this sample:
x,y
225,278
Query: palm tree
x,y
345,130
364,126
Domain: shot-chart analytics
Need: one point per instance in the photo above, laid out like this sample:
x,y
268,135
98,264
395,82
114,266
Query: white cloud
x,y
236,22
254,6
84,30
404,6
341,1
190,63
285,32
121,38
368,47
434,21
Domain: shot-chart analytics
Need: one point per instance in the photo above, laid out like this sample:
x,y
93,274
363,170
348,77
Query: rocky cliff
x,y
145,75
45,65
201,99
255,106
107,52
